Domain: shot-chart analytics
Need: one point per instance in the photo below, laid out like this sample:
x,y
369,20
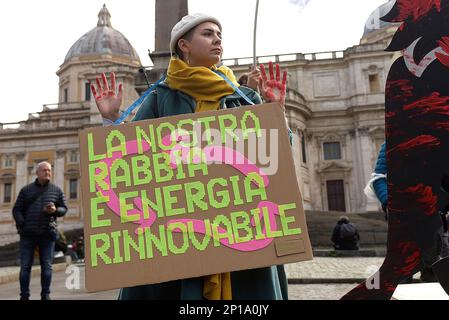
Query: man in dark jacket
x,y
35,212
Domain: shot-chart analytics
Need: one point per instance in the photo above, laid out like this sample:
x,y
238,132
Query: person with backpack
x,y
345,235
196,83
35,211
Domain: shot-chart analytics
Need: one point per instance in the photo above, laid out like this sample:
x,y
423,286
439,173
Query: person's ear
x,y
184,46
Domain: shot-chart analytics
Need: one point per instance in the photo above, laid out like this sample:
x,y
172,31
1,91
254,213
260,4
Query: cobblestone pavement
x,y
10,291
319,268
334,268
349,271
319,291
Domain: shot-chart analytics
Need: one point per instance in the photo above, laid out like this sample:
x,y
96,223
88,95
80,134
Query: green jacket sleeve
x,y
251,94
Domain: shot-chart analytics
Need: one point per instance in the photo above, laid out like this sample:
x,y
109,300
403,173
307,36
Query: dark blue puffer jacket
x,y
380,185
31,220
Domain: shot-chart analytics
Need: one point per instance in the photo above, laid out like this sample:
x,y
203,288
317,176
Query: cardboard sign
x,y
190,195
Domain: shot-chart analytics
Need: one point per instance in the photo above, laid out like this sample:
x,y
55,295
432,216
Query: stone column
x,y
296,150
21,171
366,150
58,170
168,13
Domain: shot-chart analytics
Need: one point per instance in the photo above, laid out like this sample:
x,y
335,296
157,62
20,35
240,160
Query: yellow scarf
x,y
200,83
217,287
207,88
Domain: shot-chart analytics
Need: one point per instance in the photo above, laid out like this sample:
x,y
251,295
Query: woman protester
x,y
193,84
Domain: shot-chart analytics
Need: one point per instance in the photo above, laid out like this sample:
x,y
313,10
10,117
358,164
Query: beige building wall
x,y
335,97
52,134
75,75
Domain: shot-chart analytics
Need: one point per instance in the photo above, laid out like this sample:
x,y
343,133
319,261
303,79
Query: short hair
x,y
188,36
344,219
40,164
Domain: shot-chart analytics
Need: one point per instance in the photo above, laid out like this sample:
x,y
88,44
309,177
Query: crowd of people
x,y
70,247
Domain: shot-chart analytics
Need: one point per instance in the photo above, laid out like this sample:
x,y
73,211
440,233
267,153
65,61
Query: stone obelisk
x,y
168,13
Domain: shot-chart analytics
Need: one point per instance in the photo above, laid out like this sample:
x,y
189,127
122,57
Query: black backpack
x,y
347,231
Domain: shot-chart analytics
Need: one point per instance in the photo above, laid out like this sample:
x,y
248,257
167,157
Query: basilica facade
x,y
335,107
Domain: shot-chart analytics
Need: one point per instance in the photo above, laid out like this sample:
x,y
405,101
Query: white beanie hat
x,y
186,24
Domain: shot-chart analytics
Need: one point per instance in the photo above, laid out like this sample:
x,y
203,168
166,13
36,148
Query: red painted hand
x,y
273,90
107,100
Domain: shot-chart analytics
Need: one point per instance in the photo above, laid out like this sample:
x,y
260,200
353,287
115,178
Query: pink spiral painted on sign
x,y
215,154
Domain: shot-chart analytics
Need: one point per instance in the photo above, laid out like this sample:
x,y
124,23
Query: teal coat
x,y
268,283
167,102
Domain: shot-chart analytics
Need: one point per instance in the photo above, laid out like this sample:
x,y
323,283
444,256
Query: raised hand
x,y
107,100
273,90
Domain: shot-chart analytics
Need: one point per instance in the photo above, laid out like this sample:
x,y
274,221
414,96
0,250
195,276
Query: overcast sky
x,y
37,34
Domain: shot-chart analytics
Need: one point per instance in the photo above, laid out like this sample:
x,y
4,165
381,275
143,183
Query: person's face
x,y
44,173
204,49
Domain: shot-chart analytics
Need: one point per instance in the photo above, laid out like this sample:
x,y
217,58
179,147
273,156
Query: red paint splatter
x,y
440,111
441,125
399,90
444,44
412,261
417,144
435,104
412,257
390,114
433,100
444,59
390,287
415,9
419,197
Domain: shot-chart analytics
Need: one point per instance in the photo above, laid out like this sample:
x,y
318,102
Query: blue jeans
x,y
46,253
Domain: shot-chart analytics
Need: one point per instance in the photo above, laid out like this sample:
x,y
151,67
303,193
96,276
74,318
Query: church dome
x,y
103,39
374,23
